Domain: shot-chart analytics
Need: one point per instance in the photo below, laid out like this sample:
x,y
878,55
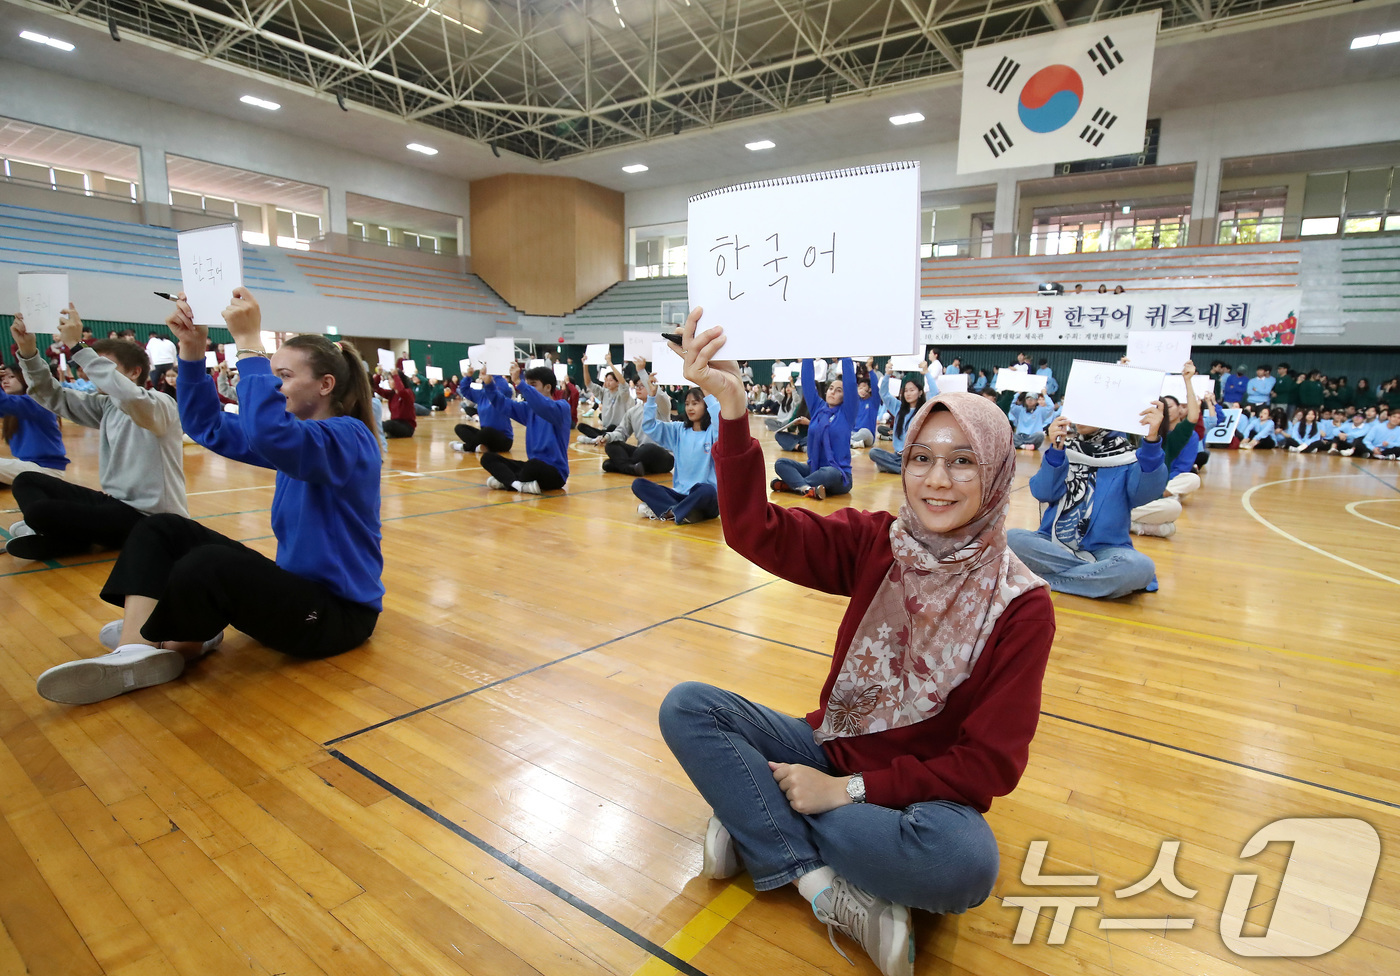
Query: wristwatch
x,y
855,788
76,348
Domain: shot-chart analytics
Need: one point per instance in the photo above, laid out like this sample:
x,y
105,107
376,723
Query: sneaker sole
x,y
708,867
90,681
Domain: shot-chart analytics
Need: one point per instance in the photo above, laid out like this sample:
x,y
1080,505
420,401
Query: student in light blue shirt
x,y
1258,434
1052,385
1261,388
1029,416
1350,435
1305,435
1382,440
692,496
911,398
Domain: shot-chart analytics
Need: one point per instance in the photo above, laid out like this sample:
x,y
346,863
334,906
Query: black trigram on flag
x,y
1001,77
997,140
1102,121
1105,56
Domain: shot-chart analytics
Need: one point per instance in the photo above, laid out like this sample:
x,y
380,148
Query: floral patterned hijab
x,y
929,620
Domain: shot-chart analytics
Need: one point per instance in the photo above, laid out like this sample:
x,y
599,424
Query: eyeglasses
x,y
960,465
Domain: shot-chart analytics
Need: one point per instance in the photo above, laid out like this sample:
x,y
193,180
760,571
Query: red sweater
x,y
401,402
973,750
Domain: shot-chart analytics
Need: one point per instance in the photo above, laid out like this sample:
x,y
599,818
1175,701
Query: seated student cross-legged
x,y
30,431
1090,484
873,804
646,456
546,423
828,467
691,497
306,414
140,456
496,432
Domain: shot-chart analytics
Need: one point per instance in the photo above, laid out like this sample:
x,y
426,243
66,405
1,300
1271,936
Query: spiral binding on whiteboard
x,y
834,174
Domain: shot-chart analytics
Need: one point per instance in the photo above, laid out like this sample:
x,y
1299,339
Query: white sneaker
x,y
1348,452
459,447
494,484
528,487
721,859
20,529
584,439
128,668
1295,449
880,926
111,634
645,511
1163,531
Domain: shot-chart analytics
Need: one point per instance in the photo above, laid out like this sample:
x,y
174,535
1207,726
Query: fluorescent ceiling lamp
x,y
761,144
1127,208
1371,40
439,13
418,147
45,39
260,102
906,119
635,168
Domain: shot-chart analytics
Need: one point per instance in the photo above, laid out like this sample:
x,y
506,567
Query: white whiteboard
x,y
825,264
595,353
500,353
952,384
1167,351
1110,396
667,367
386,359
410,368
211,267
42,297
435,374
1175,386
636,344
1019,381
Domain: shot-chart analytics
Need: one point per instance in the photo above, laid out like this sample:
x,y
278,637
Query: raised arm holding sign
x,y
211,267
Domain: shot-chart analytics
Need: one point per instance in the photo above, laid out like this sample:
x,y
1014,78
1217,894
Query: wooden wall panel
x,y
546,244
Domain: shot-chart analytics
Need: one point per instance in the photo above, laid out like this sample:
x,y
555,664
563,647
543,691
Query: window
x,y
1320,225
1109,226
1253,216
658,251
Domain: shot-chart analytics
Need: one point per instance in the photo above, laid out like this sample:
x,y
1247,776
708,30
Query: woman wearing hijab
x,y
873,803
1090,483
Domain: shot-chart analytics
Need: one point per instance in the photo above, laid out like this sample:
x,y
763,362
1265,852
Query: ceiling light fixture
x,y
38,38
1373,40
906,119
259,102
635,168
439,13
418,147
761,144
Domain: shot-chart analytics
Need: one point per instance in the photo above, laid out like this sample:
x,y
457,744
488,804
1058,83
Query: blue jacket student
x,y
546,423
1381,437
1186,459
1233,389
1030,422
692,447
1327,427
491,411
325,507
1117,491
1301,435
829,433
1355,432
1258,389
866,411
37,438
1255,428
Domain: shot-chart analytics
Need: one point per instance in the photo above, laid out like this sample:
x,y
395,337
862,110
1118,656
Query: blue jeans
x,y
886,461
1113,572
797,475
791,442
939,856
699,504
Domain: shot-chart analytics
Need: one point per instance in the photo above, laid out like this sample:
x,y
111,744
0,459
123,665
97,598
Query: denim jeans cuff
x,y
786,876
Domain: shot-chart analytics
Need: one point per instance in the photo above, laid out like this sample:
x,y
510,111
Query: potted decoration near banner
x,y
1279,334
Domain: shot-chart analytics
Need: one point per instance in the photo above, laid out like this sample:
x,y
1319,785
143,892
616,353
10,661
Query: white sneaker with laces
x,y
585,439
111,634
459,447
721,859
645,511
494,484
880,926
20,529
528,487
1348,452
128,668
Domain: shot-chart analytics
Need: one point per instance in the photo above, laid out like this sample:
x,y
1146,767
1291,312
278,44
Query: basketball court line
x,y
1365,469
1249,507
1351,507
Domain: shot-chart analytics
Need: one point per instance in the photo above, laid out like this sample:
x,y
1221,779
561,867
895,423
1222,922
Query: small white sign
x,y
1019,381
42,297
465,366
904,363
435,374
211,267
211,359
636,344
386,360
230,353
595,353
952,384
1167,351
561,372
500,353
667,367
1175,386
1224,433
1110,396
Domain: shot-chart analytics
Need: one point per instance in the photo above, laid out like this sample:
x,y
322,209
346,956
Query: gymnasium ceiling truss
x,y
551,79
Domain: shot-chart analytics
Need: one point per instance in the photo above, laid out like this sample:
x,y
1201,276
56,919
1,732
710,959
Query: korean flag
x,y
1078,93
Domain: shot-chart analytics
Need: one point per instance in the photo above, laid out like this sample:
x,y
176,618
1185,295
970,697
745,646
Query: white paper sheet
x,y
561,373
410,368
211,267
1174,385
435,373
825,264
231,353
386,359
904,364
1019,380
636,344
595,353
1224,433
666,366
782,373
1167,351
1110,396
500,353
42,297
211,359
465,366
952,384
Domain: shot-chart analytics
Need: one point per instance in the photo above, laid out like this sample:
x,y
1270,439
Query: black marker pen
x,y
166,295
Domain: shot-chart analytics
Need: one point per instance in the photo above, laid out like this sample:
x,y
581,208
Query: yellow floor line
x,y
1197,635
700,930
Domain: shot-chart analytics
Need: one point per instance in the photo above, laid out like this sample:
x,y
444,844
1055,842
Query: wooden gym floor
x,y
483,788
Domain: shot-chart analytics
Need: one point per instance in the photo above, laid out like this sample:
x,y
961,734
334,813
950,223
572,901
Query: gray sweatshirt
x,y
631,425
612,404
140,457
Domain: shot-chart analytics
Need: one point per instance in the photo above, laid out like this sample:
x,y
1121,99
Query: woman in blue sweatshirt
x,y
547,422
692,496
305,413
1090,483
1305,434
828,467
911,399
867,409
36,444
496,432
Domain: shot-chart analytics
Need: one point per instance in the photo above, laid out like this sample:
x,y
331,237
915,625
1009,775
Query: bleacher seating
x,y
398,283
43,239
634,305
